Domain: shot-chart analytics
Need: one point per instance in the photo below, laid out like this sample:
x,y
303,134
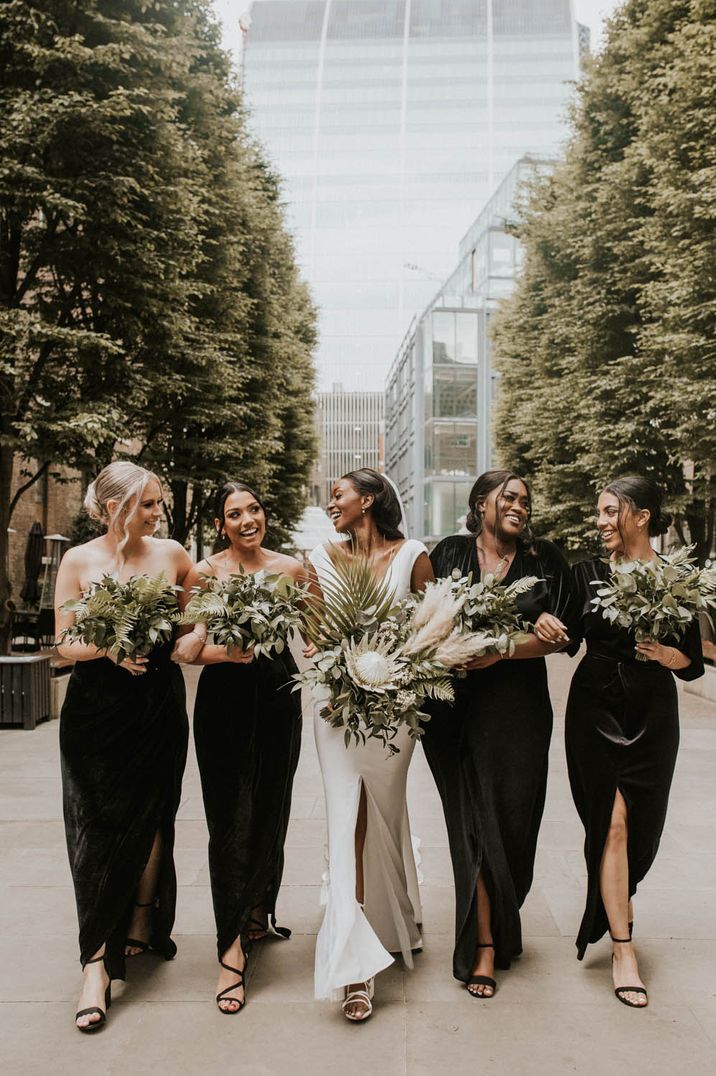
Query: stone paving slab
x,y
552,1014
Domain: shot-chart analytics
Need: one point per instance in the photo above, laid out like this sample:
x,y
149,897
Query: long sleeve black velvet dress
x,y
622,733
247,730
488,754
123,744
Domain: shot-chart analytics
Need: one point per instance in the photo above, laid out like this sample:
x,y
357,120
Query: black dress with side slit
x,y
123,744
247,731
622,733
488,755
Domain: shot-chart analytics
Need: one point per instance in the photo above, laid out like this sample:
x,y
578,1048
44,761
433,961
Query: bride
x,y
372,902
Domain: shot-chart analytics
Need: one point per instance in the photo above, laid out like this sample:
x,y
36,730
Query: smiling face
x,y
620,526
346,506
507,511
143,515
244,522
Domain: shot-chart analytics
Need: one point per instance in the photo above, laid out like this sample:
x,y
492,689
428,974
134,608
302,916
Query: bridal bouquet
x,y
247,610
489,610
655,598
125,619
379,660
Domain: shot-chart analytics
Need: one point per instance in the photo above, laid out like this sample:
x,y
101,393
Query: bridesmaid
x,y
488,753
372,901
123,742
247,730
622,732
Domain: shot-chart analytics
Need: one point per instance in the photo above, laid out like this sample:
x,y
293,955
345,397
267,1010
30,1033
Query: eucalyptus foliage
x,y
655,598
248,610
124,619
489,608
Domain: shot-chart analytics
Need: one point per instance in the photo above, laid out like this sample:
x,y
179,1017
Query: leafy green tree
x,y
605,347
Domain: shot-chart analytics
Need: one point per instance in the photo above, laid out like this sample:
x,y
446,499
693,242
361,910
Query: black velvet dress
x,y
622,732
247,729
488,754
123,744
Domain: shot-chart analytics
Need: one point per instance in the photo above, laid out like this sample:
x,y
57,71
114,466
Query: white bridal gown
x,y
355,943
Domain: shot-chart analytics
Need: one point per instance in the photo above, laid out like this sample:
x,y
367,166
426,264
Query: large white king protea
x,y
372,665
379,660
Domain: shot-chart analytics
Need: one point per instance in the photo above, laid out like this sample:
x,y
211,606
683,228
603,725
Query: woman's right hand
x,y
241,657
135,666
550,629
310,651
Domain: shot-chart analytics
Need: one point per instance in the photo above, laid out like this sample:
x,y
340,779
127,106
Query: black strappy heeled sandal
x,y
222,995
482,980
135,943
97,1024
619,990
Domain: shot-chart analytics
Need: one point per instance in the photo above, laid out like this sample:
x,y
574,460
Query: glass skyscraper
x,y
392,121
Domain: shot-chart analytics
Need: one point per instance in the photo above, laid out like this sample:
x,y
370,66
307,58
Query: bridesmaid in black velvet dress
x,y
123,741
247,730
488,752
622,733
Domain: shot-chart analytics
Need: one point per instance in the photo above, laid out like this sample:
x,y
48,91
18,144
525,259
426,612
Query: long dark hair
x,y
635,493
385,509
499,478
221,541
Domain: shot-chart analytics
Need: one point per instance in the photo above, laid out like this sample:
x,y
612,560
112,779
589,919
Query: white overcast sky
x,y
590,12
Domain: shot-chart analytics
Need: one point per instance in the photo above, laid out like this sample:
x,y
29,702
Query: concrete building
x,y
441,387
350,429
391,123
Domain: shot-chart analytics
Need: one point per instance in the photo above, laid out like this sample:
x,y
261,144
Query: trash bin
x,y
24,690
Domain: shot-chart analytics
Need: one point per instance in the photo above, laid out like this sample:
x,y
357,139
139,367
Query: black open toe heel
x,y
223,994
135,943
482,980
620,990
95,1008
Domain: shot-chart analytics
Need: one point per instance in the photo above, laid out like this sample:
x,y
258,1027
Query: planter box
x,y
24,690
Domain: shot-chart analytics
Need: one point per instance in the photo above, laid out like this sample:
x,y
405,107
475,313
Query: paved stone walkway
x,y
552,1015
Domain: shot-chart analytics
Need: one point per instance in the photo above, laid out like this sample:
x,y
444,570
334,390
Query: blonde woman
x,y
123,742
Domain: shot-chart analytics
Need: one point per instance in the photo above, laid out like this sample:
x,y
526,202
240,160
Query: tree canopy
x,y
150,304
607,347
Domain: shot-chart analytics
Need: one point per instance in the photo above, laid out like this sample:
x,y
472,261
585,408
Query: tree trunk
x,y
6,462
179,515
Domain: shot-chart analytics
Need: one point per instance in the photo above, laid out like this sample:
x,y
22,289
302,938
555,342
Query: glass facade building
x,y
441,387
350,433
391,123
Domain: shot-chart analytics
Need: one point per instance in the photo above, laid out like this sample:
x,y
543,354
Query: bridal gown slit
x,y
356,942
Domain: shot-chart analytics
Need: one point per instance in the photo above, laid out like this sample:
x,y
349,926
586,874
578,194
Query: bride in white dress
x,y
372,901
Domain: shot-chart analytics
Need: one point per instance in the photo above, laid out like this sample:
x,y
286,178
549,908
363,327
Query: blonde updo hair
x,y
123,482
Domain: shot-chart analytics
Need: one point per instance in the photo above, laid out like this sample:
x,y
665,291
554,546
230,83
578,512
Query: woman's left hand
x,y
482,662
187,648
656,652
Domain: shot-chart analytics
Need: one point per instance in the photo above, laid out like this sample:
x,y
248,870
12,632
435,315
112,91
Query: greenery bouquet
x,y
656,598
378,659
247,610
489,610
125,619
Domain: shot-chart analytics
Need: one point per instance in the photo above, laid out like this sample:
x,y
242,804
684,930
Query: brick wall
x,y
52,504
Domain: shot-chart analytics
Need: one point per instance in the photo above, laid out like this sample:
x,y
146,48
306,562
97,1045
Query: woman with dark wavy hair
x,y
372,902
622,732
247,730
488,752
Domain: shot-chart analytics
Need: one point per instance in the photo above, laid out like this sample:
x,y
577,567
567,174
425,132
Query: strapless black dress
x,y
123,744
247,731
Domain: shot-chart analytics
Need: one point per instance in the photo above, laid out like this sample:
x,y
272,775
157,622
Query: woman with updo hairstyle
x,y
371,895
622,731
123,743
488,752
247,731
